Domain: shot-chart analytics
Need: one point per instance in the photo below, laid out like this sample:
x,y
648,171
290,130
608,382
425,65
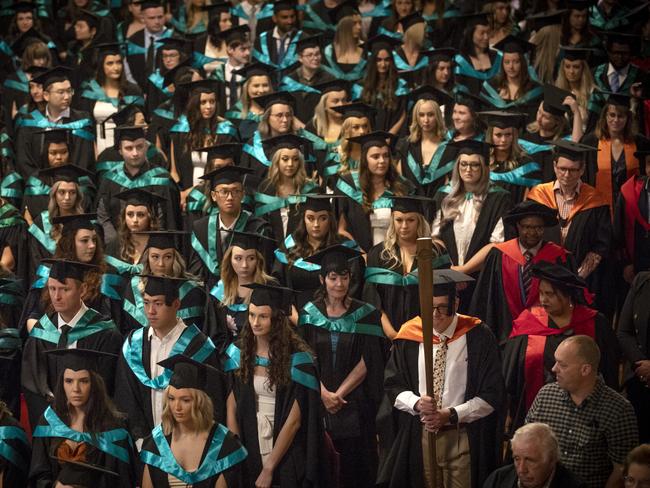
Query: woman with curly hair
x,y
81,424
365,212
275,396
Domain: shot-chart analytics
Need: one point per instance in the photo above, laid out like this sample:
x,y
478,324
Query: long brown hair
x,y
127,246
302,249
391,180
377,91
200,127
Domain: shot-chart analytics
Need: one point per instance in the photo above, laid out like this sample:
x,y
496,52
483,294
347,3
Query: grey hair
x,y
542,435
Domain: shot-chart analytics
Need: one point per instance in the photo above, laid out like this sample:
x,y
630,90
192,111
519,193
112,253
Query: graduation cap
x,y
248,240
309,41
503,119
172,43
445,283
576,53
618,99
35,71
201,86
356,109
378,138
333,85
410,203
288,141
428,92
553,100
72,223
173,74
55,136
280,5
440,54
54,75
89,17
78,473
66,172
318,202
25,39
546,18
632,40
128,133
226,175
270,99
235,33
123,117
469,21
187,372
140,197
558,275
342,10
475,103
23,7
228,150
572,150
334,258
163,239
217,8
530,208
381,41
472,146
162,285
78,359
410,20
276,297
145,4
514,44
578,4
65,268
110,48
254,69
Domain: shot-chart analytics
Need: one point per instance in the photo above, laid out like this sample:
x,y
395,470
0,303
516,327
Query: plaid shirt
x,y
595,434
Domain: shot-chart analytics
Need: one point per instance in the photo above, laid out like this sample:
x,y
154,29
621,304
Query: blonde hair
x,y
415,131
516,151
265,129
179,267
547,42
53,208
451,203
230,280
415,34
586,83
202,413
345,148
246,100
388,253
343,40
299,179
560,124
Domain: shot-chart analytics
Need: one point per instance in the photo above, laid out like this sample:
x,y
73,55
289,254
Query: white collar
x,y
448,333
64,114
82,310
623,71
179,325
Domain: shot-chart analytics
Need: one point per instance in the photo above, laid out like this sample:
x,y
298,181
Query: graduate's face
x,y
638,476
160,316
285,20
244,262
170,58
555,303
82,31
137,218
335,99
77,385
280,118
568,172
532,464
462,118
259,317
378,159
135,10
113,66
208,105
578,19
225,21
258,85
406,225
36,92
228,197
403,7
85,245
443,72
358,126
427,116
570,368
383,59
501,12
24,21
512,65
59,95
288,162
470,168
572,70
65,297
40,62
616,118
134,153
337,285
619,55
531,231
310,57
443,313
154,19
545,120
239,55
57,154
317,224
481,37
180,402
503,138
81,3
66,195
161,261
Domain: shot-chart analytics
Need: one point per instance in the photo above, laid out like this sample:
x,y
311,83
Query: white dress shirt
x,y
72,323
62,115
453,392
224,228
160,350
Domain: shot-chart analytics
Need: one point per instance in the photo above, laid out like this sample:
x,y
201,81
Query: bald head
x,y
585,349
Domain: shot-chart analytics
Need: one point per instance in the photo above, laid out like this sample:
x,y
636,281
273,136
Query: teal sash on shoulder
x,y
48,332
265,57
156,176
348,324
132,352
293,86
465,68
43,235
8,221
94,91
256,149
402,65
79,128
36,187
104,441
312,20
217,292
433,170
518,175
21,85
355,193
300,262
136,308
333,68
495,99
211,466
123,267
7,452
270,203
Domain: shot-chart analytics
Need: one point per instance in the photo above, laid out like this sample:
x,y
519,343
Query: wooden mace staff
x,y
425,274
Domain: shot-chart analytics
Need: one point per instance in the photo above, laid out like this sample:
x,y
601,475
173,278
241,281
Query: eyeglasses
x,y
441,309
227,193
630,482
61,93
571,171
471,166
286,115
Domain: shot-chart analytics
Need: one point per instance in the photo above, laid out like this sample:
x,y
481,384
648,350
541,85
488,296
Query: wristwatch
x,y
453,416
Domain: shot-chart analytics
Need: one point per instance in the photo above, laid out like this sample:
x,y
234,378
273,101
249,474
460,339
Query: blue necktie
x,y
613,82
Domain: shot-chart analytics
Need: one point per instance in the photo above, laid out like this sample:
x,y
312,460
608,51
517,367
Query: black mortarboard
x,y
172,75
276,297
441,53
35,71
280,5
428,92
201,86
445,283
333,85
254,69
248,240
378,138
618,99
318,202
342,10
218,7
72,223
145,4
89,17
575,53
578,4
632,40
55,136
544,19
530,208
54,75
514,44
411,203
226,175
475,103
503,119
172,43
65,268
23,7
78,359
78,473
128,133
124,117
553,98
472,146
110,48
290,141
572,150
25,39
223,151
163,239
474,19
162,285
558,275
235,33
66,172
410,20
139,197
270,99
642,150
334,258
308,41
187,372
382,41
356,109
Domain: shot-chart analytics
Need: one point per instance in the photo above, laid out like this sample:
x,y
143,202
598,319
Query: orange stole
x,y
589,197
604,174
412,330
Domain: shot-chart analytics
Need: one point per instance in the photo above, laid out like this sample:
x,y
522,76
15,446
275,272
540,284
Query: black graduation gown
x,y
274,218
230,448
29,144
411,150
518,187
40,243
13,234
217,318
87,104
15,93
13,472
403,464
138,61
134,398
631,223
40,373
353,429
541,150
44,469
306,101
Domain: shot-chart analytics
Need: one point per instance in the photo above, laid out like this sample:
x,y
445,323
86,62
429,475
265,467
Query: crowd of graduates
x,y
209,215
